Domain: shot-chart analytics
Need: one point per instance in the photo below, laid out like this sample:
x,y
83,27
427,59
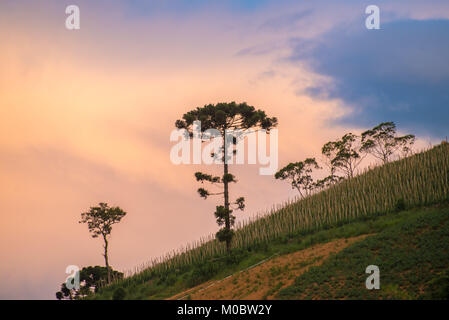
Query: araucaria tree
x,y
299,175
382,141
225,119
99,221
344,155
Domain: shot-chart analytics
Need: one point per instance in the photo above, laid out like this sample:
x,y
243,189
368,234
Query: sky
x,y
86,115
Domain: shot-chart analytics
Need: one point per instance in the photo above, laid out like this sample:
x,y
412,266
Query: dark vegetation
x,y
412,254
91,278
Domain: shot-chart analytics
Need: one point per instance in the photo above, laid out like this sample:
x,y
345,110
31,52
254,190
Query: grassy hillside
x,y
410,248
412,255
420,180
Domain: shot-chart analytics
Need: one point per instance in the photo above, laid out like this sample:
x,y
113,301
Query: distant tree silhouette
x,y
382,141
344,155
65,293
90,277
99,221
299,176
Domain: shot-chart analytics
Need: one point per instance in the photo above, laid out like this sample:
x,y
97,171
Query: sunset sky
x,y
86,115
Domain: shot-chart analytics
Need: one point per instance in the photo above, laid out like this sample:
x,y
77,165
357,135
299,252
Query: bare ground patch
x,y
265,280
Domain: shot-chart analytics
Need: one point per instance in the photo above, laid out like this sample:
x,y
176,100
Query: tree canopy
x,y
299,175
382,141
344,154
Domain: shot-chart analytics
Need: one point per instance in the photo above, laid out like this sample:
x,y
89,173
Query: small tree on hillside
x,y
382,141
299,176
224,117
344,155
99,221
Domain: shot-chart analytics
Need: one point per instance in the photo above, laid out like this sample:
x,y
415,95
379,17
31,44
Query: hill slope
x,y
264,280
412,256
410,248
351,208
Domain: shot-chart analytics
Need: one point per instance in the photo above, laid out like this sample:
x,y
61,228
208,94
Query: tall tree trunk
x,y
106,259
226,194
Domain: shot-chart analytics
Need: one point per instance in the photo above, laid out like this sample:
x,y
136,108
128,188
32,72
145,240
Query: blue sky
x,y
182,7
399,73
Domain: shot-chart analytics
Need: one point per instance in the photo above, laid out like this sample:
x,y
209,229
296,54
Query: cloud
x,y
399,73
288,21
182,7
259,49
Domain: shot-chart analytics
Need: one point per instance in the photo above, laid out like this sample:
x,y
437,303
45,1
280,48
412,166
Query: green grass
x,y
354,207
159,288
412,254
